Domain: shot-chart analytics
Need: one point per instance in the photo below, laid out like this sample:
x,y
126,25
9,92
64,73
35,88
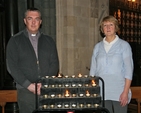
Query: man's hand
x,y
31,88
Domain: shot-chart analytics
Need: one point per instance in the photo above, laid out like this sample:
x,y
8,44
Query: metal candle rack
x,y
60,93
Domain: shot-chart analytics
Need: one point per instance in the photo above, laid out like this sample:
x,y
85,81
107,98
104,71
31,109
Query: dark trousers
x,y
115,107
26,101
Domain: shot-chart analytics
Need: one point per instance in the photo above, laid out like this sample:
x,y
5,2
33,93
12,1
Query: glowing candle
x,y
80,75
53,76
73,76
59,75
85,76
47,76
74,95
73,105
45,106
59,105
59,95
45,96
96,105
59,85
45,86
66,105
81,94
95,95
93,83
52,95
87,93
66,85
66,76
79,85
53,85
86,85
88,105
52,105
81,105
73,85
67,93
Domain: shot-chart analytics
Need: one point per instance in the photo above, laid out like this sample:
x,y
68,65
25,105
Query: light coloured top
x,y
113,67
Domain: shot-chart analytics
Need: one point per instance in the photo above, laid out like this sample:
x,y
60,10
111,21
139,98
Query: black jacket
x,y
22,63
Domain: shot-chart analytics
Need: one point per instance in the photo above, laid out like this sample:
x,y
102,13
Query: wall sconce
x,y
131,0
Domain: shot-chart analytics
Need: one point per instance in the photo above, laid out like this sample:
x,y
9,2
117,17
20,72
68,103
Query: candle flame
x,y
67,93
87,92
93,82
60,75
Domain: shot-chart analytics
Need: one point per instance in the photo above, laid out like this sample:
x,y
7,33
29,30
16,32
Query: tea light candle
x,y
86,85
46,76
59,95
93,83
45,86
66,105
59,76
73,76
73,105
96,105
59,85
66,76
53,76
73,85
81,94
88,105
59,105
95,95
45,96
52,95
80,75
86,76
80,85
66,85
45,106
52,105
53,85
67,93
74,95
81,105
87,93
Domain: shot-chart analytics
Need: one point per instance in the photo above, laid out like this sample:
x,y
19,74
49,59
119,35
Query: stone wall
x,y
77,31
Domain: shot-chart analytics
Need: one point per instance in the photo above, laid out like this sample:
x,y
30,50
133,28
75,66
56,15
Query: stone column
x,y
77,31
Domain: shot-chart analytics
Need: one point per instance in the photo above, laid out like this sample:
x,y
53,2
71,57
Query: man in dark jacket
x,y
31,55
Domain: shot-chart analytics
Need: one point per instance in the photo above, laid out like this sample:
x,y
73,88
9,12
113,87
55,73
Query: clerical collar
x,y
33,34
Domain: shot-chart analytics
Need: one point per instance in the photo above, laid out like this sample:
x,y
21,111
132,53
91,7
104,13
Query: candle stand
x,y
69,94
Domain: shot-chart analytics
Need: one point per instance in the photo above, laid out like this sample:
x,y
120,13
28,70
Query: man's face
x,y
32,21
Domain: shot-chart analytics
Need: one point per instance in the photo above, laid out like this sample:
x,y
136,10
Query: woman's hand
x,y
123,99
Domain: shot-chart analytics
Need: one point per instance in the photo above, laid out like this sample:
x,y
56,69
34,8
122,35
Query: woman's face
x,y
109,28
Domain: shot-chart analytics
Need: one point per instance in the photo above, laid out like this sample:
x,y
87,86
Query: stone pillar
x,y
77,25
